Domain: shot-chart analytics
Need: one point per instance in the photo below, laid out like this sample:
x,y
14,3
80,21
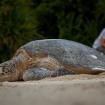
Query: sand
x,y
64,90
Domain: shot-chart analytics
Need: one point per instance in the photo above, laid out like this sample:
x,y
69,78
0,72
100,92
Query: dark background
x,y
22,21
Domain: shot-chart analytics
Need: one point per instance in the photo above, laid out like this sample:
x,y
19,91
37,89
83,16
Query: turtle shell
x,y
72,55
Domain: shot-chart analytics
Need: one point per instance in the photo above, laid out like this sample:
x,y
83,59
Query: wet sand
x,y
64,90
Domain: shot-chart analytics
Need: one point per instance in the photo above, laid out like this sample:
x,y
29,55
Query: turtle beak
x,y
0,70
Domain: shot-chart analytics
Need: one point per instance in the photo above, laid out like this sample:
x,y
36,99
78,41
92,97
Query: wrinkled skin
x,y
52,54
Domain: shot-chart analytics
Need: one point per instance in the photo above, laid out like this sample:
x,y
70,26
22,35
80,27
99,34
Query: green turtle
x,y
50,58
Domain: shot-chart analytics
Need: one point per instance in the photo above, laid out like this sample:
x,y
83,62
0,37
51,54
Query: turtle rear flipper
x,y
40,73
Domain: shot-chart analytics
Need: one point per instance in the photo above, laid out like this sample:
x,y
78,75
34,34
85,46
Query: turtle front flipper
x,y
40,73
45,67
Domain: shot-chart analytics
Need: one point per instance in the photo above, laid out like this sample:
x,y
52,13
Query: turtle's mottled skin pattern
x,y
52,57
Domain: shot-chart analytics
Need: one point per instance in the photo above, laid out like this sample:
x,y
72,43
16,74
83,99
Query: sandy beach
x,y
64,90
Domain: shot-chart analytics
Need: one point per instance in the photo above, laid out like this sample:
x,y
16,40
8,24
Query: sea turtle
x,y
50,58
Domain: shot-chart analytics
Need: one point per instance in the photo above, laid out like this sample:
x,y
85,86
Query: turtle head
x,y
7,71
